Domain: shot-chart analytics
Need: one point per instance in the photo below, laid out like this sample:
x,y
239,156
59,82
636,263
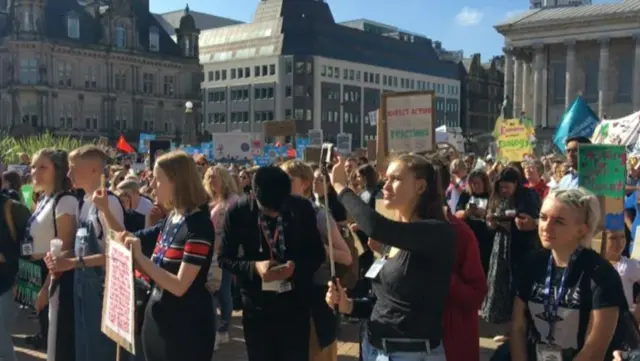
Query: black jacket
x,y
9,247
241,247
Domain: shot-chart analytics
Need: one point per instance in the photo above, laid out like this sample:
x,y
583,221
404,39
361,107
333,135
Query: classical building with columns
x,y
553,55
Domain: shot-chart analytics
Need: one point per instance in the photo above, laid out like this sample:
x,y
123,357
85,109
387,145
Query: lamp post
x,y
189,128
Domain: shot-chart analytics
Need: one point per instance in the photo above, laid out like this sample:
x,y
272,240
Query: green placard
x,y
27,194
602,169
28,283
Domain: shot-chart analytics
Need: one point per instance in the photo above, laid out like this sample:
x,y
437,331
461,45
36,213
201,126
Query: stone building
x,y
96,68
554,55
482,94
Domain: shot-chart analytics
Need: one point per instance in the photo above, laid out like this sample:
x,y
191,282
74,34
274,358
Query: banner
x,y
514,139
410,124
621,131
602,169
231,147
144,140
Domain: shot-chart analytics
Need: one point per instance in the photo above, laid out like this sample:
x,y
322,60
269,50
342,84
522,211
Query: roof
x,y
572,13
171,20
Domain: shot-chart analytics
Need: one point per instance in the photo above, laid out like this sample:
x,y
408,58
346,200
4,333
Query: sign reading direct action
x,y
410,123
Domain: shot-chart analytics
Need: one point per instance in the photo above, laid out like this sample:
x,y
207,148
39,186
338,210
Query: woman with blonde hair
x,y
178,320
322,343
570,304
223,193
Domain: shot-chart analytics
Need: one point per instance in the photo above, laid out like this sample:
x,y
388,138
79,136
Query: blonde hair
x,y
229,185
582,201
89,152
188,193
298,169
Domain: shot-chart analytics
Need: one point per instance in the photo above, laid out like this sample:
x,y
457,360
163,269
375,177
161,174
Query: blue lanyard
x,y
551,310
167,239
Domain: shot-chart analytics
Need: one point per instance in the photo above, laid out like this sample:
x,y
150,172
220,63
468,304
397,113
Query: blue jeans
x,y
371,353
8,312
225,298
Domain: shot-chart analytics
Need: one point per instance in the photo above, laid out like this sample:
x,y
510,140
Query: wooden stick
x,y
117,350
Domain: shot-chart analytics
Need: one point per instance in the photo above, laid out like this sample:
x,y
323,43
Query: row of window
x,y
32,73
240,117
388,80
240,73
238,95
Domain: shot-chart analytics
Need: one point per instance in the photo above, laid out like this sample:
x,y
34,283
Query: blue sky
x,y
459,24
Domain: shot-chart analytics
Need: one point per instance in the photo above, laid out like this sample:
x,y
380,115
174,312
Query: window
x,y
64,74
240,73
120,37
299,114
90,77
210,76
224,74
336,73
299,90
256,71
288,65
73,26
272,69
351,73
625,84
154,39
299,67
377,79
345,74
265,70
217,75
247,72
558,72
287,91
168,85
147,83
287,114
233,73
366,77
330,72
66,119
358,75
323,72
591,80
28,20
121,81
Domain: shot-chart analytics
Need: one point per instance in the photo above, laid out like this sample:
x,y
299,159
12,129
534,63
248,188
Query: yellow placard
x,y
514,139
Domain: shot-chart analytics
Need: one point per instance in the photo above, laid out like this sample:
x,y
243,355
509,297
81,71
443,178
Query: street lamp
x,y
188,107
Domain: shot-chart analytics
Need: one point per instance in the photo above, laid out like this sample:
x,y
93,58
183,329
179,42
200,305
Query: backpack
x,y
129,218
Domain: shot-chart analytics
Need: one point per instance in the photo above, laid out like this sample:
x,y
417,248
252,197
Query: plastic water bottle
x,y
55,248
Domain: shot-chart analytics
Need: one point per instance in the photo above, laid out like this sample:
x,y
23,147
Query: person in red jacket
x,y
467,290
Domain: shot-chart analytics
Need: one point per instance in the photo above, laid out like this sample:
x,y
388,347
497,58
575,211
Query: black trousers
x,y
283,337
65,333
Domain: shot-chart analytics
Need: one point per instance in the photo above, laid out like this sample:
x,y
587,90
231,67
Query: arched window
x,y
154,39
120,39
73,26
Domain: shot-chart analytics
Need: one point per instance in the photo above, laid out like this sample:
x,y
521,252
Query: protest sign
x,y
118,307
602,169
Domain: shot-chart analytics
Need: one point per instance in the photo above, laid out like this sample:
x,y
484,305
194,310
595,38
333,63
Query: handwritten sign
x,y
409,122
602,169
28,283
118,308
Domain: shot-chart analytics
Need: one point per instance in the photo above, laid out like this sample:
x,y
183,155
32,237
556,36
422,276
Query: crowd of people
x,y
295,245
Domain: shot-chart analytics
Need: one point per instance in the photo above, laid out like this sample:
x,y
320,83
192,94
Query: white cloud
x,y
512,13
469,17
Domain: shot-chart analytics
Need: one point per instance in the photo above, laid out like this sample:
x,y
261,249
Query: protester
x,y
570,180
273,246
179,317
411,282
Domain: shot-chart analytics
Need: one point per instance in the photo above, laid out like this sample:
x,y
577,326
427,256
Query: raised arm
x,y
427,236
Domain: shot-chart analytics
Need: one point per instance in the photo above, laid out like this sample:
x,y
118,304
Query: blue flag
x,y
577,121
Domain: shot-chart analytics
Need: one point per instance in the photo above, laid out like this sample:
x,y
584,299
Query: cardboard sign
x,y
602,169
312,154
118,307
279,128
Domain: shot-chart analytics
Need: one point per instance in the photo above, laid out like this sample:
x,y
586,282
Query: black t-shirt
x,y
591,284
193,244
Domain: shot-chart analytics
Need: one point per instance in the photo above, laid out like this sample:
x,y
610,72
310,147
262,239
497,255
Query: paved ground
x,y
234,350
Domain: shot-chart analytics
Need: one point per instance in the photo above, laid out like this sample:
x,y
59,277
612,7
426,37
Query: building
x,y
293,61
538,4
553,55
482,94
92,69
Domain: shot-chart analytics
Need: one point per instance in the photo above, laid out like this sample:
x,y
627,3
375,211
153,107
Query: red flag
x,y
123,146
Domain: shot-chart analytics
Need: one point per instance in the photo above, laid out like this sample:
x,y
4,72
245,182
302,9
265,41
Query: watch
x,y
81,263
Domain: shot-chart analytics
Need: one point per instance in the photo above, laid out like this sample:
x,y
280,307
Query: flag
x,y
123,146
577,121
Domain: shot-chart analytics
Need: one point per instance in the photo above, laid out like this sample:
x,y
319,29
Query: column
x,y
526,88
603,80
517,89
508,77
538,63
570,71
636,74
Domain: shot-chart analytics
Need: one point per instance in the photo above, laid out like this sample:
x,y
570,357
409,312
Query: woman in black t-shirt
x,y
179,320
570,302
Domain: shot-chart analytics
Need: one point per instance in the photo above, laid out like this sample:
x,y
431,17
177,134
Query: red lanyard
x,y
270,243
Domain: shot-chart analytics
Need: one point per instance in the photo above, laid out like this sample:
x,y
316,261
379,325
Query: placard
x,y
343,143
118,307
315,138
279,128
602,169
29,281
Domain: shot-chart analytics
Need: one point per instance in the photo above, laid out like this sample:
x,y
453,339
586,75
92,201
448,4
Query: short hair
x,y
579,139
128,185
537,164
583,201
181,169
12,180
368,174
271,187
299,169
89,152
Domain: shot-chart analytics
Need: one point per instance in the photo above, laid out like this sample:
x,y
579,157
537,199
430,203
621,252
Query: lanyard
x,y
278,236
551,310
167,239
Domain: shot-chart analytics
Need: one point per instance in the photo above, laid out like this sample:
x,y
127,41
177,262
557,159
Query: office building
x,y
293,61
482,93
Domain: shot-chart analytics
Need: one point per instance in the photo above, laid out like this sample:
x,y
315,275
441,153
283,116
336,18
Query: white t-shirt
x,y
144,206
42,227
116,210
629,271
